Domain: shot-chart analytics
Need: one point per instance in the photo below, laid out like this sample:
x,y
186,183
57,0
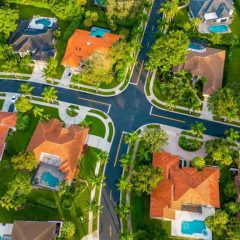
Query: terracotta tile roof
x,y
81,46
34,230
209,64
50,137
7,120
182,185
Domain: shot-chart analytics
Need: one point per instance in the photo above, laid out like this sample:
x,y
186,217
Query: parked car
x,y
14,98
11,108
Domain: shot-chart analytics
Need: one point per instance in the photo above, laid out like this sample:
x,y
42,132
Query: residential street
x,y
129,111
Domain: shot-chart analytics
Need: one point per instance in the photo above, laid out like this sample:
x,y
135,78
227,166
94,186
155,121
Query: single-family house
x,y
82,44
184,195
212,11
31,230
207,63
7,121
35,37
58,150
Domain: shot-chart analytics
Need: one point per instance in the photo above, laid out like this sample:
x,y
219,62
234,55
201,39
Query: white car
x,y
14,98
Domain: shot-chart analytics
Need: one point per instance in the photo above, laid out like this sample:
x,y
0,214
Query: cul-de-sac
x,y
119,119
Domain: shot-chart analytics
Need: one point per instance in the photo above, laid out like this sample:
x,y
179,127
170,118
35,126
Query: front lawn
x,y
97,126
236,23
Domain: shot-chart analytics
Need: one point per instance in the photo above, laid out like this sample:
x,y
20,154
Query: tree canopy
x,y
23,105
24,160
168,51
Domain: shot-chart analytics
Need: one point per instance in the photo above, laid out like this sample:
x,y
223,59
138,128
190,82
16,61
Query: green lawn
x,y
236,23
1,103
233,80
97,127
110,136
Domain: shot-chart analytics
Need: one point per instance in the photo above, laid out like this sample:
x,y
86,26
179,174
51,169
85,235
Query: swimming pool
x,y
195,226
196,47
45,22
49,179
98,32
218,28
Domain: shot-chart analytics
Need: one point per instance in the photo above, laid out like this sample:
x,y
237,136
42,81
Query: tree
x,y
8,21
24,160
168,51
94,207
51,69
126,236
145,178
49,94
22,121
232,208
25,61
153,139
97,180
123,210
197,129
90,17
102,157
85,124
123,184
224,103
144,155
23,105
131,138
198,162
67,231
38,112
26,89
169,9
125,161
196,22
217,222
232,135
10,59
18,190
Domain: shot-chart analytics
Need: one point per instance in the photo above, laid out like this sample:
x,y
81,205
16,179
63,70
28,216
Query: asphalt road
x,y
129,111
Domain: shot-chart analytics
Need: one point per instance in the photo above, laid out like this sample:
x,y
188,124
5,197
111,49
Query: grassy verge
x,y
15,77
1,103
110,136
97,127
102,114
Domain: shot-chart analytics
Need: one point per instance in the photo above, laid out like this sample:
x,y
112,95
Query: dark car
x,y
11,108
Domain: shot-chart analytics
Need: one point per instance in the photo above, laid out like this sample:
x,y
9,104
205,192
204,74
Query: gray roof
x,y
37,41
220,7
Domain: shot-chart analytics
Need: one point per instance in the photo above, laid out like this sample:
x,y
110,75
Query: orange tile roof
x,y
7,120
81,46
209,64
182,185
50,137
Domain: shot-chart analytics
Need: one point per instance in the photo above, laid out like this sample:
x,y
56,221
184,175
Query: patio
x,y
183,216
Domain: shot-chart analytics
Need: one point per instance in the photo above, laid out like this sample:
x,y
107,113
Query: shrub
x,y
190,145
198,162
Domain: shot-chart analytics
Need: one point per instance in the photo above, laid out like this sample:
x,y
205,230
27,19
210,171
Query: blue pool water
x,y
45,22
218,28
49,179
195,226
196,46
98,32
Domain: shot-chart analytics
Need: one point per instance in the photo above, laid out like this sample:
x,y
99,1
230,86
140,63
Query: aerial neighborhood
x,y
119,119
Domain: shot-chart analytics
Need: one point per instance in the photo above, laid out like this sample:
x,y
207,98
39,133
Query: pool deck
x,y
203,28
34,25
190,216
5,230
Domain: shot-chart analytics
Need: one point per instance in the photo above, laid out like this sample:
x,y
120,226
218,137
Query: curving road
x,y
129,111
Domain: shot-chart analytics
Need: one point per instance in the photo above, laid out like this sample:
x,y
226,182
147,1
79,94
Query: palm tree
x,y
125,161
232,135
85,124
123,210
144,155
131,138
123,184
102,157
94,207
97,180
49,94
38,112
196,22
26,89
197,129
169,10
